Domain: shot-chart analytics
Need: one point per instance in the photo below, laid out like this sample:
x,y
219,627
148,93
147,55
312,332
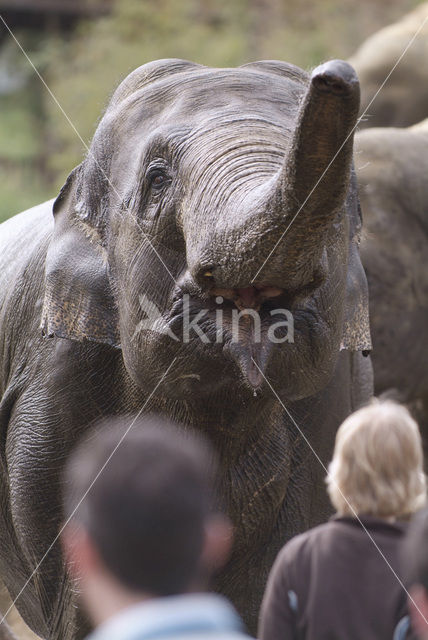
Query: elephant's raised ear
x,y
78,301
356,327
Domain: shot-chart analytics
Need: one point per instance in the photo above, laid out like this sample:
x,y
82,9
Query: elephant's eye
x,y
157,178
158,181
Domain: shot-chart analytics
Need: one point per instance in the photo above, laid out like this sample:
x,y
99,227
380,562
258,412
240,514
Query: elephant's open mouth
x,y
249,297
246,323
234,311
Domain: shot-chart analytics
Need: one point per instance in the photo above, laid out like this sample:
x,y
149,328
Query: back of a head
x,y
150,495
377,466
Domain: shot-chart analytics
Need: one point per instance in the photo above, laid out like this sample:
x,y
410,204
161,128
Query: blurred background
x,y
83,48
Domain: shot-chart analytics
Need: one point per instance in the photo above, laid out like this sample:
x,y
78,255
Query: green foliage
x,y
38,146
18,132
21,190
137,32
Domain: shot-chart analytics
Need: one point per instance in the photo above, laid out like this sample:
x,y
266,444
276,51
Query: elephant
x,y
403,100
392,169
206,194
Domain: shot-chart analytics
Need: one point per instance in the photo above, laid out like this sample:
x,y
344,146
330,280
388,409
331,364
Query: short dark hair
x,y
416,550
146,511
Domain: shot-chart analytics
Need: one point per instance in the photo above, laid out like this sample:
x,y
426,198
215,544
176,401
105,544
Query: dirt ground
x,y
14,620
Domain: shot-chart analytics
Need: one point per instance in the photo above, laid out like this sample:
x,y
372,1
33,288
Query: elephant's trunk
x,y
313,182
275,235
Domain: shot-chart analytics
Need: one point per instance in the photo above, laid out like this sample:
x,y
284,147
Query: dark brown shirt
x,y
332,583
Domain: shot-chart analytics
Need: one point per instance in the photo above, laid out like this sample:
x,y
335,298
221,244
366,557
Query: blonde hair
x,y
377,465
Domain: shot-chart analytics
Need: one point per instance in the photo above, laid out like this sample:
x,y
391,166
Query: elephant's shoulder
x,y
23,239
23,243
26,228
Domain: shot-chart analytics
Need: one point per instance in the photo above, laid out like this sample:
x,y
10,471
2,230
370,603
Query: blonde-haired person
x,y
341,580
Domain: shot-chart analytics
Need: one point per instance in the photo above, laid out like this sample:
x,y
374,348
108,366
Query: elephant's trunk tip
x,y
336,77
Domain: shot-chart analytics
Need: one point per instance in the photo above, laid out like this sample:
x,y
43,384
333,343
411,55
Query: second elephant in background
x,y
392,168
403,100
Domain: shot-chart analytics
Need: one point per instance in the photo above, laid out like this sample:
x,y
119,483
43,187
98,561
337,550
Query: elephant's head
x,y
206,192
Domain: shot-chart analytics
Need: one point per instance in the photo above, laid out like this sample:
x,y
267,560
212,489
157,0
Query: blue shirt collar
x,y
171,616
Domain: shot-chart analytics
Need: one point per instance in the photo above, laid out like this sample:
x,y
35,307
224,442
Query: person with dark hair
x,y
141,537
416,560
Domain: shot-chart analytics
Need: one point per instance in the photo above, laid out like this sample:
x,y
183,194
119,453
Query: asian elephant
x,y
392,168
403,100
205,192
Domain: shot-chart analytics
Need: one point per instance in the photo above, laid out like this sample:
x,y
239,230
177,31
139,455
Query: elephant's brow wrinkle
x,y
167,138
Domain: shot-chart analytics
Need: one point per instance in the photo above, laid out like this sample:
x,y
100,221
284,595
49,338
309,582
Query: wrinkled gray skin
x,y
238,150
392,168
403,99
